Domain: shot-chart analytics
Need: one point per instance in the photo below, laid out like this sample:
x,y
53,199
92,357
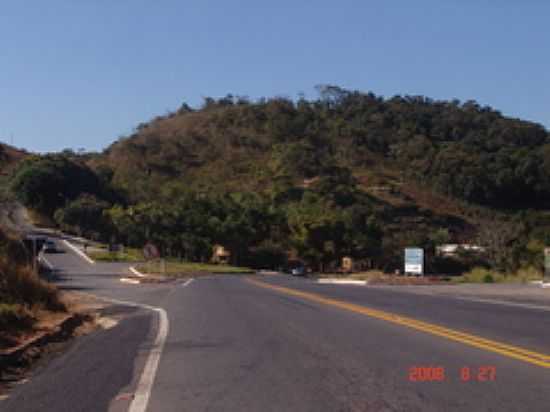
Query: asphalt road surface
x,y
275,343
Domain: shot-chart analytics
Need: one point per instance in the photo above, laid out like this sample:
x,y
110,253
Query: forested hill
x,y
349,174
458,149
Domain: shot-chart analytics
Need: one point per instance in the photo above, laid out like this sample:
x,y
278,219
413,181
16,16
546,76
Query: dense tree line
x,y
255,231
46,183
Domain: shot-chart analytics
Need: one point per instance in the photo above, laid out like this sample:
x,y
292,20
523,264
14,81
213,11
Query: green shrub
x,y
129,255
482,275
525,274
19,285
488,278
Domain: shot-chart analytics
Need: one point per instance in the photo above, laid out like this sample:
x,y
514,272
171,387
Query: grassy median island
x,y
368,275
23,295
476,275
128,255
179,268
171,267
378,277
484,275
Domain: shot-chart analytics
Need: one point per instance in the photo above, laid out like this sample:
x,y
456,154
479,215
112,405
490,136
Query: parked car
x,y
295,268
49,247
298,271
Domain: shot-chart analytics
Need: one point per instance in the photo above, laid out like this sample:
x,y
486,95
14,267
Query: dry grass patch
x,y
22,293
177,268
484,275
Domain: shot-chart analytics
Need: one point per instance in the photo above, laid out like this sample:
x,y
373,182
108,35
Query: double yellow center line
x,y
510,351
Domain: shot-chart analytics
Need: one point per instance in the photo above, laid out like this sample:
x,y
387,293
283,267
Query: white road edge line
x,y
136,272
481,300
145,384
187,282
79,252
342,282
505,303
45,261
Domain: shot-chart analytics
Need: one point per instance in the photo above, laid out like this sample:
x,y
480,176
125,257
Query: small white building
x,y
452,249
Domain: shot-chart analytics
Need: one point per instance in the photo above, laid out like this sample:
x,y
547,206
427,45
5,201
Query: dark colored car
x,y
49,247
298,271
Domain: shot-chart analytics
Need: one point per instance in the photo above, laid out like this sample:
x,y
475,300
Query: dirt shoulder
x,y
379,278
50,334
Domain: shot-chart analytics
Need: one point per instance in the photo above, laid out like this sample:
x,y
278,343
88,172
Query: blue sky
x,y
79,74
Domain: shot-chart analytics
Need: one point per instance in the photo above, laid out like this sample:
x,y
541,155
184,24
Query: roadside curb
x,y
343,282
540,283
268,272
136,272
26,353
130,280
141,278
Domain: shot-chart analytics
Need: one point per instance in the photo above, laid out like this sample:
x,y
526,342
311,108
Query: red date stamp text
x,y
464,374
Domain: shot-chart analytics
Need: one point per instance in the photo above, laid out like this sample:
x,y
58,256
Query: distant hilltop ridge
x,y
463,150
9,156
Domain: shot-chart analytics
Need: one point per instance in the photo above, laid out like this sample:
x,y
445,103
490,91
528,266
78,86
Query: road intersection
x,y
276,343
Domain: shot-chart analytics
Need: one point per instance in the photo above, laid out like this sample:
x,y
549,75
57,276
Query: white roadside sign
x,y
414,261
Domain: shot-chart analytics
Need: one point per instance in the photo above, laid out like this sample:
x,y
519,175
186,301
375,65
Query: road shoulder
x,y
52,332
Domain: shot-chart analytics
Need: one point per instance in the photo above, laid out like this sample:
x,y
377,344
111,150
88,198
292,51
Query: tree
x,y
86,216
440,237
501,244
45,183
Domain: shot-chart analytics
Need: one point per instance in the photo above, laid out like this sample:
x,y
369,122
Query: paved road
x,y
289,344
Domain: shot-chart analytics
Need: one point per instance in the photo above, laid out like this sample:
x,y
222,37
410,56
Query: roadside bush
x,y
482,275
85,216
266,256
10,246
488,278
525,274
19,285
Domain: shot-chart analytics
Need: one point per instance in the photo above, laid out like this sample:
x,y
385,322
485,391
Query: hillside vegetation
x,y
350,173
9,159
464,150
22,293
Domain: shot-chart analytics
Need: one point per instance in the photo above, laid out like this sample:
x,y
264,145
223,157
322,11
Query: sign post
x,y
414,261
546,276
150,253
